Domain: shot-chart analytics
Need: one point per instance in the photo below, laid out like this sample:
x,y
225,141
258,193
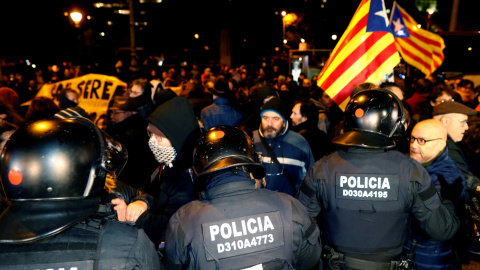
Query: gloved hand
x,y
118,189
473,207
451,192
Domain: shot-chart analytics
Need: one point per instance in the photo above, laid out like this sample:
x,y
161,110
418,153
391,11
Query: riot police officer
x,y
365,194
235,225
53,172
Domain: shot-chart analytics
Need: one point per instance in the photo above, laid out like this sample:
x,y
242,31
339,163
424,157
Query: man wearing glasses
x,y
128,127
428,146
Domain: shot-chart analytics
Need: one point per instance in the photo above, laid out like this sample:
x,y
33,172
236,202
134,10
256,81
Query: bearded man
x,y
285,154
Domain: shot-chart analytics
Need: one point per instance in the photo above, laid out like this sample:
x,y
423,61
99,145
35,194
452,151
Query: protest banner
x,y
95,92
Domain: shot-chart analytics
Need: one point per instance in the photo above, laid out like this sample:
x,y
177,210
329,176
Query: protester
x,y
285,154
141,91
41,108
304,121
128,127
428,146
172,139
224,110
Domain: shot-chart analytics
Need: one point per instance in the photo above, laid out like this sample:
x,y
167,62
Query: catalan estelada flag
x,y
419,48
366,52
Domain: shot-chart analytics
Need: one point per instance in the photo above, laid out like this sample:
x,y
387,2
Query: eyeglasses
x,y
443,100
462,122
117,112
421,141
134,93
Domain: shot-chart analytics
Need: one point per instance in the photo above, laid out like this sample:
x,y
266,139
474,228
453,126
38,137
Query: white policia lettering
x,y
369,182
226,230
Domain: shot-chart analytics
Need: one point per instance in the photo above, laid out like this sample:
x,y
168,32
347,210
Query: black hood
x,y
175,118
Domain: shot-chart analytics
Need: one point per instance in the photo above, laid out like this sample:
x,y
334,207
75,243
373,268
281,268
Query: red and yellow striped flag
x,y
419,48
365,53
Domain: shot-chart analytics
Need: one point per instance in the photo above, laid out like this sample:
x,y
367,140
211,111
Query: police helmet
x,y
372,119
224,147
53,173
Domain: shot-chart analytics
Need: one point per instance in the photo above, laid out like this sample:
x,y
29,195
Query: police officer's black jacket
x,y
113,245
366,197
237,226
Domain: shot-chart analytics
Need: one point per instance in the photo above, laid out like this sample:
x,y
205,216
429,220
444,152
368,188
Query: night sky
x,y
38,30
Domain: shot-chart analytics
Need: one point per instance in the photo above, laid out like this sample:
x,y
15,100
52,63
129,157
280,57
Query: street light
x,y
76,18
284,13
133,47
430,13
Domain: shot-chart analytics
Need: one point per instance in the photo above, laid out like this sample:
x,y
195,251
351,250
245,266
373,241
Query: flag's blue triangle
x,y
397,24
377,17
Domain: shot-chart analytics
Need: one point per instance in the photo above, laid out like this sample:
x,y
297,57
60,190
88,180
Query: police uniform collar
x,y
230,189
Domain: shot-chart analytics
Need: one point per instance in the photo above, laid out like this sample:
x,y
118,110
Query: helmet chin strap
x,y
398,124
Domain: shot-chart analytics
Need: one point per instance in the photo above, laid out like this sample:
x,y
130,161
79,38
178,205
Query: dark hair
x,y
362,87
464,83
308,110
41,108
439,89
388,85
423,86
317,93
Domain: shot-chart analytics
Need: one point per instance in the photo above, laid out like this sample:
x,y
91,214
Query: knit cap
x,y
276,105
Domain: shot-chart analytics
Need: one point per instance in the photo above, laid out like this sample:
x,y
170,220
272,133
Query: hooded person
x,y
173,131
141,91
286,155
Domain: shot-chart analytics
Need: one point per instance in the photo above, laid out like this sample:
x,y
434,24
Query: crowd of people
x,y
216,155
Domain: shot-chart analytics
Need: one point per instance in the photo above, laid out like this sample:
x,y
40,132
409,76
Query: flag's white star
x,y
398,25
383,13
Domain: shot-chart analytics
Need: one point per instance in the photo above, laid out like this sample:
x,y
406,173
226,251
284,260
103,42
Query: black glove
x,y
451,192
128,194
474,209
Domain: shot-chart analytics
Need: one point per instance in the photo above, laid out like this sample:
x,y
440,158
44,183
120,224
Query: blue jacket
x,y
429,253
294,155
220,113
